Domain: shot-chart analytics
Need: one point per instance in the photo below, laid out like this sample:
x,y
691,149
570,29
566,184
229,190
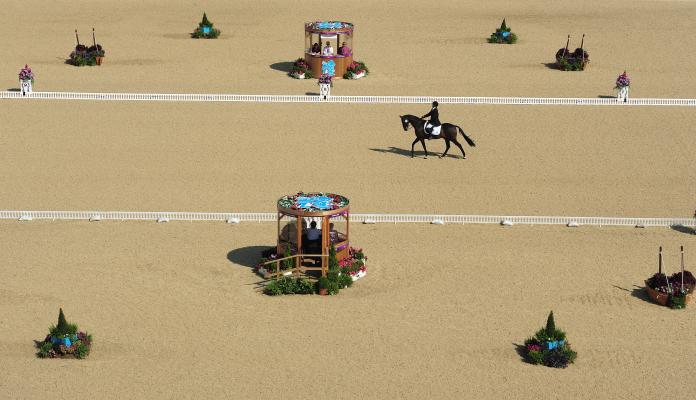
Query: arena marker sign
x,y
437,222
162,219
233,220
572,224
506,222
369,221
25,217
95,217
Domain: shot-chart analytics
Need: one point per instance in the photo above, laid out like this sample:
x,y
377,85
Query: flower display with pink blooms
x,y
623,81
26,74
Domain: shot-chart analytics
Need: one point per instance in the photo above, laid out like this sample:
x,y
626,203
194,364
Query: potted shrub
x,y
323,286
65,340
549,347
356,70
672,291
83,55
26,80
503,35
205,30
575,61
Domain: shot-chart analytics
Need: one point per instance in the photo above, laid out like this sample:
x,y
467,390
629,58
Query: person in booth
x,y
313,238
316,48
344,50
328,50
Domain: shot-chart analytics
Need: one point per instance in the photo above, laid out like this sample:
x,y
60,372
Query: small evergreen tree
x,y
333,264
550,326
287,263
503,27
205,21
62,328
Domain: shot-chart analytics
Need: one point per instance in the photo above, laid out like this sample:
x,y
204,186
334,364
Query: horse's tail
x,y
468,139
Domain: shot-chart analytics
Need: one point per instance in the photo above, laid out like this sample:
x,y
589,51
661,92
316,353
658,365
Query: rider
x,y
434,119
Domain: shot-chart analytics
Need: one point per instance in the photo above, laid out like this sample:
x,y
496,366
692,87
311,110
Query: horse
x,y
447,132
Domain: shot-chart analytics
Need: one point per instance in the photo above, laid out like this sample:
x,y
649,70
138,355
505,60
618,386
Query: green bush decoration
x,y
549,347
64,340
203,26
677,302
288,263
345,280
333,288
503,35
289,285
550,325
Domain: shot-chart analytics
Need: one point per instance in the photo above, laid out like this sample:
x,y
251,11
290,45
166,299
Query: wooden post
x,y
682,269
659,264
278,237
582,45
77,37
93,39
348,228
566,48
299,234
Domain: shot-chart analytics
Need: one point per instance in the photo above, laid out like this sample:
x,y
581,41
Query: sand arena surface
x,y
174,314
172,306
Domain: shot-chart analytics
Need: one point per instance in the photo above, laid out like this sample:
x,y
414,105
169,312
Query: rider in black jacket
x,y
434,116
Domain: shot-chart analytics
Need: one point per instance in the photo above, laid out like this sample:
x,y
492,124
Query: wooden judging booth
x,y
332,59
309,223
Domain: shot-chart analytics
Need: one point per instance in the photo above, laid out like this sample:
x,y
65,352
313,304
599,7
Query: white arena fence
x,y
360,218
260,98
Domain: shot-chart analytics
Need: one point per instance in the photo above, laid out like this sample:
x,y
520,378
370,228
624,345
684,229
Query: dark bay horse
x,y
447,132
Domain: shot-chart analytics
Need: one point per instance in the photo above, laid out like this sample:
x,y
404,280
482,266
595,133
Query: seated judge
x,y
328,50
344,50
316,48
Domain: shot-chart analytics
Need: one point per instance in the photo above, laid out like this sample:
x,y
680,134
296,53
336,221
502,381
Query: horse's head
x,y
404,122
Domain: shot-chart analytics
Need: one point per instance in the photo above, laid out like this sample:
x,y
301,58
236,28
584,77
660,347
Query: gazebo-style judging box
x,y
328,212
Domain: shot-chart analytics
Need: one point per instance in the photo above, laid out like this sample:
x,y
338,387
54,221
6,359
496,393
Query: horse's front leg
x,y
424,148
413,144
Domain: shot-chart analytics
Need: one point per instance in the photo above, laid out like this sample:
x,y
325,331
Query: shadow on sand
x,y
284,66
246,256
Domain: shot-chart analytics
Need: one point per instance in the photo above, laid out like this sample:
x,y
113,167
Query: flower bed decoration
x,y
503,35
622,84
25,74
313,201
205,30
341,274
549,347
673,291
356,70
575,61
325,79
301,70
87,56
64,341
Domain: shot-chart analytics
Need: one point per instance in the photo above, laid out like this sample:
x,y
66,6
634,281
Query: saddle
x,y
432,130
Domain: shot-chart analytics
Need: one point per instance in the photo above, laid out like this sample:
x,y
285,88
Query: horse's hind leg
x,y
413,144
460,148
447,143
424,148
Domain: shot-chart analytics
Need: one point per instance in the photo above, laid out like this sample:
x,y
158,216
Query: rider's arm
x,y
428,114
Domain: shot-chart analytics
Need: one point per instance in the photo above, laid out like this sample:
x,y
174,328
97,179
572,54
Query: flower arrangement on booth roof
x,y
623,81
325,79
205,30
549,347
301,70
313,201
356,70
25,74
64,340
503,35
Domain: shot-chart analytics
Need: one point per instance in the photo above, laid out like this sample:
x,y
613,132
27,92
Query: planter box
x,y
662,298
357,76
298,76
26,87
359,275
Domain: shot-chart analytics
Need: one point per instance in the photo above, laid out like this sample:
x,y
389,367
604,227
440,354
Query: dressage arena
x,y
172,305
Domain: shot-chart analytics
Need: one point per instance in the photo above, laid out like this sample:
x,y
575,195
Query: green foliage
x,y
199,33
677,302
81,350
323,283
535,357
205,21
558,357
333,287
63,328
289,285
571,64
289,263
44,349
345,280
550,325
499,35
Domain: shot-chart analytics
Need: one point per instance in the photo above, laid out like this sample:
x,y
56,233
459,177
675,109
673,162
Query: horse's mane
x,y
412,118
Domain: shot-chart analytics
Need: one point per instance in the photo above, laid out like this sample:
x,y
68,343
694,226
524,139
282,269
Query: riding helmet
x,y
435,104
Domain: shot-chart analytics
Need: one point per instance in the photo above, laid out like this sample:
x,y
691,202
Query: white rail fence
x,y
364,218
258,98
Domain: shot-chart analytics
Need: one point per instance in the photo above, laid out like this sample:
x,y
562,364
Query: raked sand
x,y
172,306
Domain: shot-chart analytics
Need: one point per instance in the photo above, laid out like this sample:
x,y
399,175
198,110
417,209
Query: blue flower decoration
x,y
329,25
328,67
206,30
506,34
318,202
